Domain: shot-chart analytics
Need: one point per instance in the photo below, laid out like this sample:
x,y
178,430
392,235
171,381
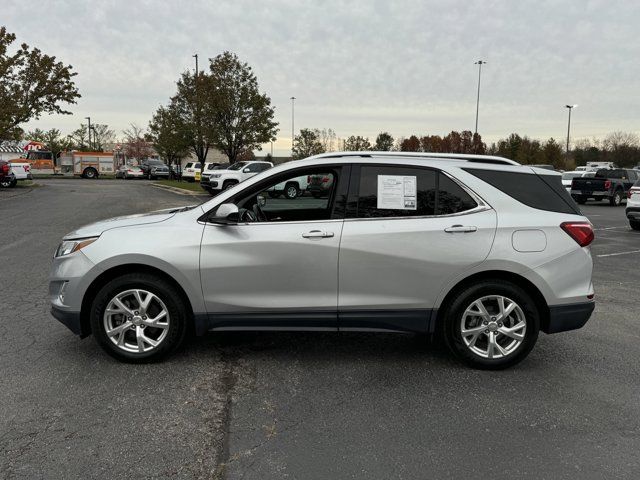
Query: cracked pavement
x,y
304,405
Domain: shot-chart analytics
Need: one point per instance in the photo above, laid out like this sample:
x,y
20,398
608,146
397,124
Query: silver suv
x,y
481,251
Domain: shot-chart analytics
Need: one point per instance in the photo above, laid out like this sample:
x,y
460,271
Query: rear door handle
x,y
460,229
317,234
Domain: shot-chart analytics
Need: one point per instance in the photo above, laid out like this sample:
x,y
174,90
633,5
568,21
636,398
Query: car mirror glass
x,y
262,200
246,170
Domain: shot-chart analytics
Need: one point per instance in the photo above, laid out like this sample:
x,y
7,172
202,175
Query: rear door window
x,y
418,192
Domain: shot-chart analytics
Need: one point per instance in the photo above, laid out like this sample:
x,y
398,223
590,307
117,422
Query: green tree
x,y
170,140
384,142
554,154
80,138
52,139
31,84
243,117
306,144
411,144
357,144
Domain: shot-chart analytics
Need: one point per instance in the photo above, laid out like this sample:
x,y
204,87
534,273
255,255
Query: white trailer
x,y
87,164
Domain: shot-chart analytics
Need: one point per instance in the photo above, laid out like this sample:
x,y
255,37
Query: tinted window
x,y
544,192
371,206
451,197
606,173
237,165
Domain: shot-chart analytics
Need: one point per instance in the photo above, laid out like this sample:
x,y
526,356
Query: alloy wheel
x,y
136,321
493,326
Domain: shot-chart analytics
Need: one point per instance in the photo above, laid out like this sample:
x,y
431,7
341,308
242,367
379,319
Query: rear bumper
x,y
69,319
568,317
633,213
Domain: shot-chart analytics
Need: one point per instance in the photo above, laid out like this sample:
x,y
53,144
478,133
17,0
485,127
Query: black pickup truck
x,y
609,184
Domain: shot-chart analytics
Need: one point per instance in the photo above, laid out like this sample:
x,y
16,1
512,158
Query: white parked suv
x,y
290,189
190,170
633,206
480,251
218,180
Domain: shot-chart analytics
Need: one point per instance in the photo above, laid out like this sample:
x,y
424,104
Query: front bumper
x,y
71,320
209,184
568,317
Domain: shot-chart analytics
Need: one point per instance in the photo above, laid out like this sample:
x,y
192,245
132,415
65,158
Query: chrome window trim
x,y
479,208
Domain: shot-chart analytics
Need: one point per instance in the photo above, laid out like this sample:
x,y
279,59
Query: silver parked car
x,y
479,250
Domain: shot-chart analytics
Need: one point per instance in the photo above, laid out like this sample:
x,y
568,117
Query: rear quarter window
x,y
543,192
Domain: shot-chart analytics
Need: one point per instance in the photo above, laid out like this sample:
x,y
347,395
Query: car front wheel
x,y
634,224
492,325
139,318
616,200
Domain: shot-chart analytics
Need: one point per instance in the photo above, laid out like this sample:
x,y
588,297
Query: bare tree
x,y
136,144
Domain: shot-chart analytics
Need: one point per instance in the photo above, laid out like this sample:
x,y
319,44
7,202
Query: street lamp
x,y
570,107
479,63
293,99
89,130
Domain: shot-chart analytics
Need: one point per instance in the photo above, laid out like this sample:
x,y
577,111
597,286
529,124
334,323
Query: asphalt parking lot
x,y
298,405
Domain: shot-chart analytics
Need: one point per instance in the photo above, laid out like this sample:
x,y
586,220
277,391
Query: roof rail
x,y
433,156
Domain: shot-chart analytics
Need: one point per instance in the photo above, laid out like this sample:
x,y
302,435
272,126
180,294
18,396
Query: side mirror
x,y
262,200
246,170
226,214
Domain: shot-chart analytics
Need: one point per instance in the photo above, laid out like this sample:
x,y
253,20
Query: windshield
x,y
237,166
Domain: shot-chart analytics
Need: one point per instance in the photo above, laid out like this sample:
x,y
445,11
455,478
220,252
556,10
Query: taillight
x,y
5,169
632,191
581,232
607,184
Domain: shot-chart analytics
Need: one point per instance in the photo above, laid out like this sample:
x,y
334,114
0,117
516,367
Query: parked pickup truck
x,y
610,184
22,170
7,177
238,172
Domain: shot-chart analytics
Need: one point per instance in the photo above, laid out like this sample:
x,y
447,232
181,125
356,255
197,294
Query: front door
x,y
278,266
412,229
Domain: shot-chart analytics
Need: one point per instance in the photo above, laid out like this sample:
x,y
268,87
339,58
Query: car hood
x,y
224,172
97,228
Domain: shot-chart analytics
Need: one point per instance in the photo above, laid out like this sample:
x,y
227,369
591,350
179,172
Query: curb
x,y
180,191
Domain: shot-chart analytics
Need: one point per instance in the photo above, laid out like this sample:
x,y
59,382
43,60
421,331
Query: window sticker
x,y
397,192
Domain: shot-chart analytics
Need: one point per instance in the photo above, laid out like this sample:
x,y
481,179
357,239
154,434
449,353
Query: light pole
x,y
89,130
570,107
293,99
479,63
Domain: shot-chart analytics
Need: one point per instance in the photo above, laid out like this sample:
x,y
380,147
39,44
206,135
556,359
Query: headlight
x,y
216,175
70,246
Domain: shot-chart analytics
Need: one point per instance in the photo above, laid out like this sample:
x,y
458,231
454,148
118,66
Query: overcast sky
x,y
359,67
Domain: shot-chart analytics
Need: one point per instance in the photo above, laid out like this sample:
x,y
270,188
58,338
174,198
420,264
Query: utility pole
x,y
199,150
89,131
479,63
293,135
570,107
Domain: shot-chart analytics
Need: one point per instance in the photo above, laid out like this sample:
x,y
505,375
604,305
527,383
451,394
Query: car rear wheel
x,y
492,325
228,184
616,200
634,224
139,318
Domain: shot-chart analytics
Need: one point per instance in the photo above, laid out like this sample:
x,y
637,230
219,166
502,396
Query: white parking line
x,y
618,253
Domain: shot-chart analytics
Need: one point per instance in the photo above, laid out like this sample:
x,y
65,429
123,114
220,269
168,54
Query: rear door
x,y
408,230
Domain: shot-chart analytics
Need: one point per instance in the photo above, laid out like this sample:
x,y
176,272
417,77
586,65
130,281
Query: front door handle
x,y
460,229
317,234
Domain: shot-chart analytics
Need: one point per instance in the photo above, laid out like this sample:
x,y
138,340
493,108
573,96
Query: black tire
x,y
291,191
90,173
634,224
6,182
228,184
274,194
616,199
581,199
178,315
453,315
